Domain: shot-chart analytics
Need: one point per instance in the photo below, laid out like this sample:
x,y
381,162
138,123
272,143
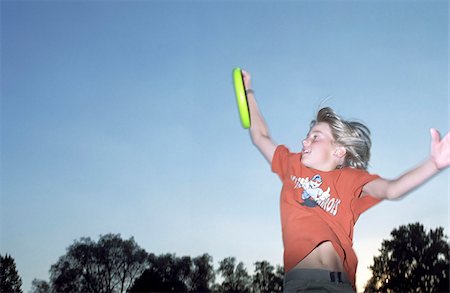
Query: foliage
x,y
412,261
10,280
235,277
169,273
265,279
40,286
110,265
202,275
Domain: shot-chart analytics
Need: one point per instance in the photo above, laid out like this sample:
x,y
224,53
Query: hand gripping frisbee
x,y
241,98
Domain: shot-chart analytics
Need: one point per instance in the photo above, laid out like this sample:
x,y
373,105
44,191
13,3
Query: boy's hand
x,y
246,77
397,188
440,149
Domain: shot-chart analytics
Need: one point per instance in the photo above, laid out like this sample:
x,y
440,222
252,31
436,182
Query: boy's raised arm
x,y
438,160
259,131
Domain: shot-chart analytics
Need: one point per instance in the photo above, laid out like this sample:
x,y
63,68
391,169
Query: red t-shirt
x,y
319,206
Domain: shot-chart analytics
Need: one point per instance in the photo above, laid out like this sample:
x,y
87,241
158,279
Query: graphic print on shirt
x,y
313,195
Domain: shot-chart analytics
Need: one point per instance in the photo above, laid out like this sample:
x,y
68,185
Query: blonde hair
x,y
352,135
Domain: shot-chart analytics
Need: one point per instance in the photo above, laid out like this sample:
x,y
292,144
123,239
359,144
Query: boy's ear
x,y
340,152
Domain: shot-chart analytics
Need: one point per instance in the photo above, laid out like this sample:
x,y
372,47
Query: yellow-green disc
x,y
241,98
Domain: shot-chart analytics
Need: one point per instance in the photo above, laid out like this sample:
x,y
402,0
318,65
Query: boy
x,y
325,189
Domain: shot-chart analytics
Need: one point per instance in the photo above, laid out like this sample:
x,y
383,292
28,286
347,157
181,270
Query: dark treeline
x,y
412,260
168,273
116,265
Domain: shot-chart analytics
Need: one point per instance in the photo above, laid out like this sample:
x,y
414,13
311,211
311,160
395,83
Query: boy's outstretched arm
x,y
259,131
438,160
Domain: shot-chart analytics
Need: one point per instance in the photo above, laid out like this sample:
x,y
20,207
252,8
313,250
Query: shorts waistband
x,y
316,275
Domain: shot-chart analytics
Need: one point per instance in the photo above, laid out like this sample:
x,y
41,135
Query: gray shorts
x,y
316,280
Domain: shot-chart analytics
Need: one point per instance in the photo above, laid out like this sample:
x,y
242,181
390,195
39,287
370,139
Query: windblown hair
x,y
352,135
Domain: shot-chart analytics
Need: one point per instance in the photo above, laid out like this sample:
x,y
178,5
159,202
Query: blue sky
x,y
120,117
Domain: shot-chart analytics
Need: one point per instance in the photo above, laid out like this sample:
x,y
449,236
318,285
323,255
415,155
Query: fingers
x,y
435,136
245,73
246,78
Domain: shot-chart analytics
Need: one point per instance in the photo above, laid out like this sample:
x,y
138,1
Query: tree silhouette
x,y
116,265
10,280
40,286
412,261
169,273
111,265
235,277
265,279
165,274
202,275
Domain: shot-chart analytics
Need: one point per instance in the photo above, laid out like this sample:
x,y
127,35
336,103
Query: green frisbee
x,y
241,98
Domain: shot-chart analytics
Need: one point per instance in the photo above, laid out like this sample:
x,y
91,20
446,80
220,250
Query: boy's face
x,y
319,150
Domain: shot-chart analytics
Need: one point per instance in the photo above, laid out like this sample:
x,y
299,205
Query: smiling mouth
x,y
306,151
